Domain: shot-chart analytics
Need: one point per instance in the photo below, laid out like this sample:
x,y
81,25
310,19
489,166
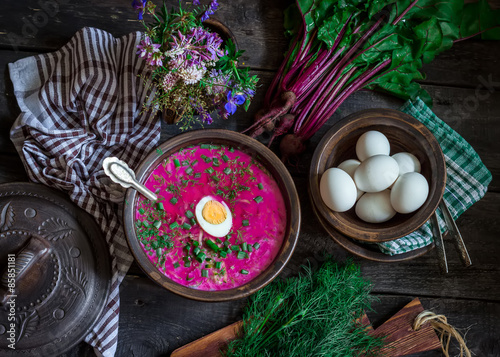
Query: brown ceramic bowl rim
x,y
270,162
374,234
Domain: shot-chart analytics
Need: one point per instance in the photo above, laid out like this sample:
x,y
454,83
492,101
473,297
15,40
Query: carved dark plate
x,y
63,271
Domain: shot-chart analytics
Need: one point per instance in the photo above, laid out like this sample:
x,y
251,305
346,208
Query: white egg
x,y
375,207
337,190
214,217
407,162
350,166
376,173
409,192
372,143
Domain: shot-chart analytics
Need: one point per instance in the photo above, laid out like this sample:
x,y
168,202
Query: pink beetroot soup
x,y
174,242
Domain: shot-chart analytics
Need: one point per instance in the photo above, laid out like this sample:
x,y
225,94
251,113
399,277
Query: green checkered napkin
x,y
466,184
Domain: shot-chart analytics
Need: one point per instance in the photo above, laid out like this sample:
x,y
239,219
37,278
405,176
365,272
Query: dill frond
x,y
313,314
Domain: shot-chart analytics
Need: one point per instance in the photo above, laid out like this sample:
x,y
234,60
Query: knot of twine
x,y
444,330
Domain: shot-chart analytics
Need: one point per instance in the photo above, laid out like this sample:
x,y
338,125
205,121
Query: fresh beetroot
x,y
340,47
284,124
290,146
279,107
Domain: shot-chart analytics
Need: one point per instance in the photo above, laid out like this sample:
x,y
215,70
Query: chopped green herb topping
x,y
242,255
201,257
211,244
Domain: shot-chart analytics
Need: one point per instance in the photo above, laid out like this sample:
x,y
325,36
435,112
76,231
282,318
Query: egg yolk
x,y
214,212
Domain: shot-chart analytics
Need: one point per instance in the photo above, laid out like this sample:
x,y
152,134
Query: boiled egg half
x,y
214,217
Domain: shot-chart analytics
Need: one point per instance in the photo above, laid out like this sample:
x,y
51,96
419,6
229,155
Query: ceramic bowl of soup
x,y
226,220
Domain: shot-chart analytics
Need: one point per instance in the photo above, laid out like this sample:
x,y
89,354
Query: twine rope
x,y
444,330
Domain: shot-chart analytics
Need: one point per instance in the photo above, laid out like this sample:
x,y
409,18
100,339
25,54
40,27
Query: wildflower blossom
x,y
139,5
169,81
217,82
156,58
233,101
150,52
191,75
188,73
210,11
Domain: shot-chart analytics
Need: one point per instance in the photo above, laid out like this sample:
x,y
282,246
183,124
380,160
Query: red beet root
x,y
290,146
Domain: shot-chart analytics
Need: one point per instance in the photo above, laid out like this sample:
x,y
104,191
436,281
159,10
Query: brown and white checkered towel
x,y
80,105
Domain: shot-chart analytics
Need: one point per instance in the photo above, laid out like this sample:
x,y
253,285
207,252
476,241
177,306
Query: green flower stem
x,y
235,70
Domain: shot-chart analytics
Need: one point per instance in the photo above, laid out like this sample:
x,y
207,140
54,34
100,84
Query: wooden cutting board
x,y
401,339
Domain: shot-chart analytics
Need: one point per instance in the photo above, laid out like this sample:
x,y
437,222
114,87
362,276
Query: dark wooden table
x,y
465,85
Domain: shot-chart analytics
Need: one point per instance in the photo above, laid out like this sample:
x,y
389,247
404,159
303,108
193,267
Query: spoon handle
x,y
454,233
438,241
142,189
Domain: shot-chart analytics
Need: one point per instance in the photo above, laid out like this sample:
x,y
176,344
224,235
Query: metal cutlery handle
x,y
455,234
438,241
142,189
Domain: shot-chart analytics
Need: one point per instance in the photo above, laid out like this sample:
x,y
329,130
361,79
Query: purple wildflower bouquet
x,y
194,71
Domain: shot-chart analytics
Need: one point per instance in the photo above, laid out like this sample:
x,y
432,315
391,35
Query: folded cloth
x,y
78,106
466,183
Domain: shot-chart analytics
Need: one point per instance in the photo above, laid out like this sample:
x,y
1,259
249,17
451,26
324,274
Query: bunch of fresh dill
x,y
313,314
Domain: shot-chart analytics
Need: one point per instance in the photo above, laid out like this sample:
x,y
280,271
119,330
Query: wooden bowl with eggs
x,y
274,168
405,134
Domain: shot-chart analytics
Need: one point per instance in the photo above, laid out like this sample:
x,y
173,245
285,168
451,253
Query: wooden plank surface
x,y
465,84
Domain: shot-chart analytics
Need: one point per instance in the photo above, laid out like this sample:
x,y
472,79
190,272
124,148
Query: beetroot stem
x,y
320,107
306,133
279,74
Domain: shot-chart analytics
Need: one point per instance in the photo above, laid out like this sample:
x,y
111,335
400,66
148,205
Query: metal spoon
x,y
438,241
454,233
123,175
